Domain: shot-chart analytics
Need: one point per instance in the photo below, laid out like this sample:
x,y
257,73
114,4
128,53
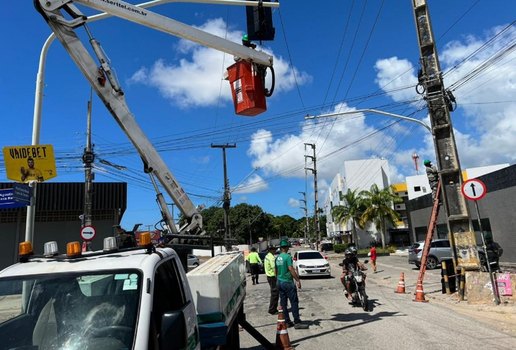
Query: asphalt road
x,y
394,321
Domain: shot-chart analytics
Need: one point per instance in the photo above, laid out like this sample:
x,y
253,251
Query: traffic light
x,y
259,22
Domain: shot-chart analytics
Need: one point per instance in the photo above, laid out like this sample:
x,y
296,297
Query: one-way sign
x,y
474,189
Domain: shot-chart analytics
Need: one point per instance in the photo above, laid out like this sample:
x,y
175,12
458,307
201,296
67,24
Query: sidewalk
x,y
502,317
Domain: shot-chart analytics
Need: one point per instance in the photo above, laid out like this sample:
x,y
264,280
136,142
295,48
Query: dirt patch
x,y
501,317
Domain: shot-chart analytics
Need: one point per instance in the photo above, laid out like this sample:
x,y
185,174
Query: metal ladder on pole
x,y
431,227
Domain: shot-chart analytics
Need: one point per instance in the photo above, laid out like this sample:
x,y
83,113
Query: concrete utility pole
x,y
440,102
316,200
305,208
88,157
227,194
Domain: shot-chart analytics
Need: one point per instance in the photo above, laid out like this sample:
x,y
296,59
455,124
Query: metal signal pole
x,y
440,102
227,194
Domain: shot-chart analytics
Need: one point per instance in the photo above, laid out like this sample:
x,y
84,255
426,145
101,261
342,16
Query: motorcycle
x,y
357,288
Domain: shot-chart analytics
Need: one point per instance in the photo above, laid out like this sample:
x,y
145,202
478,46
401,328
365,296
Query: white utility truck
x,y
131,298
134,298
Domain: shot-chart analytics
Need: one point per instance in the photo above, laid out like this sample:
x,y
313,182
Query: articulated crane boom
x,y
103,80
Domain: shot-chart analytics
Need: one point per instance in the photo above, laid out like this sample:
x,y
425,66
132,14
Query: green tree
x,y
283,225
213,221
379,208
248,222
352,211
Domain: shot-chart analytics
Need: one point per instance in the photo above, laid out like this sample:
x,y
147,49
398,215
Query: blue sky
x,y
328,56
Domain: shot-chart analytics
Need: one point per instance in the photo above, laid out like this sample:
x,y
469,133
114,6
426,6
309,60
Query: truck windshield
x,y
69,311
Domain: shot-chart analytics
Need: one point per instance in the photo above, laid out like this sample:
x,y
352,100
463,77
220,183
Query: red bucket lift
x,y
247,89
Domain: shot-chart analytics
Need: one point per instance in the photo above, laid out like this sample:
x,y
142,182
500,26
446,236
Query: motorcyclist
x,y
350,264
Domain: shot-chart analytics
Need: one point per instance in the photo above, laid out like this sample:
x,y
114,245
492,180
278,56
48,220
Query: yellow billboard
x,y
30,163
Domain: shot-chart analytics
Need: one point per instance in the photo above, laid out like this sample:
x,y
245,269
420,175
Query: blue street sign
x,y
22,193
7,199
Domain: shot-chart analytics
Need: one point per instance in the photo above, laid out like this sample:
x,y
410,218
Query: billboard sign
x,y
30,163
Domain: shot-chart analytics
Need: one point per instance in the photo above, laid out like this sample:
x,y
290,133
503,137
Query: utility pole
x,y
305,208
440,102
227,194
316,204
88,157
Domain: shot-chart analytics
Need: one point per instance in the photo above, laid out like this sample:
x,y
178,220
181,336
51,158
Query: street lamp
x,y
368,110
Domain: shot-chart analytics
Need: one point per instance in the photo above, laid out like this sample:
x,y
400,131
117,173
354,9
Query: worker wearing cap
x,y
433,177
286,274
270,272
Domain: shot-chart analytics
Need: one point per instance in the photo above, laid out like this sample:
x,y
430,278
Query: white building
x,y
355,175
418,185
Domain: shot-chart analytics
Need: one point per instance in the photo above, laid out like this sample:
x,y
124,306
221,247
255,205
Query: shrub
x,y
339,248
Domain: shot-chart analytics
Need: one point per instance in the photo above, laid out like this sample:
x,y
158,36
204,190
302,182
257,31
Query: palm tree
x,y
379,208
351,211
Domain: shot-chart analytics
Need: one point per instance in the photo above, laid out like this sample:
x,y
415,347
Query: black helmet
x,y
353,250
348,252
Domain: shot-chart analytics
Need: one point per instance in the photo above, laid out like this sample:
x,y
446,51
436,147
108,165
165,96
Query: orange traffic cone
x,y
282,338
401,284
420,295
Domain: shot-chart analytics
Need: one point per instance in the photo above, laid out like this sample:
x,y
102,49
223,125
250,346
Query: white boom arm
x,y
111,93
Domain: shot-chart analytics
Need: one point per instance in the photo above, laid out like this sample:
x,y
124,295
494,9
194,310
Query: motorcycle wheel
x,y
363,299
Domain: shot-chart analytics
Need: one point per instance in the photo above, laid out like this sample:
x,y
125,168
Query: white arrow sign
x,y
474,189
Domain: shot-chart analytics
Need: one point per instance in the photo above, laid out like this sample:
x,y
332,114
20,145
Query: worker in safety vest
x,y
254,262
270,272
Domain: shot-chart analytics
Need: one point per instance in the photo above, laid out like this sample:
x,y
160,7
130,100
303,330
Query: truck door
x,y
173,316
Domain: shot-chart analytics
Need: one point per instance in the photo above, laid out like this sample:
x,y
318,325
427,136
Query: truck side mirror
x,y
173,330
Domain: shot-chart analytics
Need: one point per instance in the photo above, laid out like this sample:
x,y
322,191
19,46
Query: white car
x,y
311,263
193,261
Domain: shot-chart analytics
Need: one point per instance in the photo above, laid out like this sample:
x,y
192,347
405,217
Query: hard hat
x,y
284,243
427,162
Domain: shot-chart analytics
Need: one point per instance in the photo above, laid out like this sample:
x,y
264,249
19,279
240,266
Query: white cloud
x,y
293,203
485,122
397,78
196,80
487,134
202,160
253,184
336,139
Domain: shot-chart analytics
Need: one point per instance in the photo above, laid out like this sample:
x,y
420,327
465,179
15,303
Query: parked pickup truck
x,y
136,298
